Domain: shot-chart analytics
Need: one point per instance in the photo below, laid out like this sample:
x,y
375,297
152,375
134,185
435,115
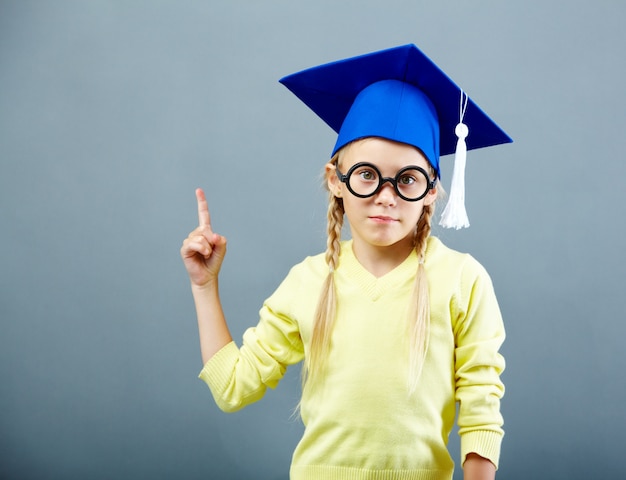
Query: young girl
x,y
394,328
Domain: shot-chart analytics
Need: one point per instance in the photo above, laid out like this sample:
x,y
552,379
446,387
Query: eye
x,y
406,179
367,175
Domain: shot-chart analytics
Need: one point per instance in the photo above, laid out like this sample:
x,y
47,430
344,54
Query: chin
x,y
393,242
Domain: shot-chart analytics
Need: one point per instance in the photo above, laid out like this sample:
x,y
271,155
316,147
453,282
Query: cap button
x,y
461,130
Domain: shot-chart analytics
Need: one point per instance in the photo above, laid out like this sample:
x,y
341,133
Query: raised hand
x,y
203,250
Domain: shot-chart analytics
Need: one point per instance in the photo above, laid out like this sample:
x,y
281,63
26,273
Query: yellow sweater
x,y
360,421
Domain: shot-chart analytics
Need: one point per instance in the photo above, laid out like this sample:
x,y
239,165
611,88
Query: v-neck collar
x,y
375,287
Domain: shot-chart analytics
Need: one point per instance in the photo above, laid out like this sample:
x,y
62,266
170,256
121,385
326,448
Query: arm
x,y
478,468
203,252
479,333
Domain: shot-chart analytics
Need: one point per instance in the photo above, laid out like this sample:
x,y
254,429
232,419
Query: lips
x,y
382,219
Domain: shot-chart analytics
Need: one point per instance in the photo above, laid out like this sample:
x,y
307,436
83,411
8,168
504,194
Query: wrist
x,y
210,287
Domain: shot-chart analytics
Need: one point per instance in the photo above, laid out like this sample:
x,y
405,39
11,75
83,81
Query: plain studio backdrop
x,y
113,112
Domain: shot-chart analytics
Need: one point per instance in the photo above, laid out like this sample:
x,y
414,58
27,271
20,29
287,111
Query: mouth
x,y
382,219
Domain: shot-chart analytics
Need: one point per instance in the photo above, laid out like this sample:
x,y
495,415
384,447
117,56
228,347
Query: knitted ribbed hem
x,y
216,374
322,472
485,443
217,369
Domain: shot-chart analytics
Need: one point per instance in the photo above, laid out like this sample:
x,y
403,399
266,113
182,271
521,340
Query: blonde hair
x,y
418,312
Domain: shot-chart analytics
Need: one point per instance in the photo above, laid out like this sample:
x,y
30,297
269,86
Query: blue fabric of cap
x,y
398,94
396,111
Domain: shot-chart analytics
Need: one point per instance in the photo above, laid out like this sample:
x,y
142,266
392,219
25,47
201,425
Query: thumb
x,y
219,245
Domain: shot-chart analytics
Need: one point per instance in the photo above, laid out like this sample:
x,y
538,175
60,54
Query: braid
x,y
327,304
423,230
419,311
335,224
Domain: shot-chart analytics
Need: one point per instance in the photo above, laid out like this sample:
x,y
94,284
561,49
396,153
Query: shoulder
x,y
438,254
457,269
461,284
296,296
310,267
303,278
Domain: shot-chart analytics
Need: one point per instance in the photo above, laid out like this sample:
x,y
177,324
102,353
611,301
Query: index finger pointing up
x,y
203,209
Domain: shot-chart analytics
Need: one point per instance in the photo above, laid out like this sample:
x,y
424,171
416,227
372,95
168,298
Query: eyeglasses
x,y
364,180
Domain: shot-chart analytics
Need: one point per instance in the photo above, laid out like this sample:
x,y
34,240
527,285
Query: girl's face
x,y
383,223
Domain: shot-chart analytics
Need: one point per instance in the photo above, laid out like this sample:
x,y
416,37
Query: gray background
x,y
112,112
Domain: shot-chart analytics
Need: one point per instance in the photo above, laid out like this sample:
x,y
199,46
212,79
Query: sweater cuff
x,y
216,371
485,443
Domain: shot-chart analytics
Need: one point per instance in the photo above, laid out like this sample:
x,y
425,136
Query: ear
x,y
333,183
430,197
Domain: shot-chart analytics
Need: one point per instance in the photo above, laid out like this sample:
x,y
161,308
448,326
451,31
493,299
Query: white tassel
x,y
454,215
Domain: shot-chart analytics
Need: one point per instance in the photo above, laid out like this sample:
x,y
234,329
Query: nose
x,y
387,194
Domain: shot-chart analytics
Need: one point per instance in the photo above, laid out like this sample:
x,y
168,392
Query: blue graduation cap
x,y
399,94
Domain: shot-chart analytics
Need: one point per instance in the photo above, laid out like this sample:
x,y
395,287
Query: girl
x,y
394,328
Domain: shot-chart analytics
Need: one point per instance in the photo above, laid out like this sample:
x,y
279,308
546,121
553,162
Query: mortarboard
x,y
401,95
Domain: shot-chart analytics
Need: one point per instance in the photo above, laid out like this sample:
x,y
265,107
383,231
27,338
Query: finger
x,y
196,245
204,218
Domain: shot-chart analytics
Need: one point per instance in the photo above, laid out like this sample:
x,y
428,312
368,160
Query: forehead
x,y
387,155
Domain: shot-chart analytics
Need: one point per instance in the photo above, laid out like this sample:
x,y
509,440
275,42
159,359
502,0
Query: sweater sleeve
x,y
479,333
240,376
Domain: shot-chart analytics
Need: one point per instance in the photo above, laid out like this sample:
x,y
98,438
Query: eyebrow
x,y
428,169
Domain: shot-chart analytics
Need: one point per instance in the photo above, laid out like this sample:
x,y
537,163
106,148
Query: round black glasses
x,y
364,180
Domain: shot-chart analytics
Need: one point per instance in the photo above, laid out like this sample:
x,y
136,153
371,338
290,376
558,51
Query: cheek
x,y
355,208
349,204
416,212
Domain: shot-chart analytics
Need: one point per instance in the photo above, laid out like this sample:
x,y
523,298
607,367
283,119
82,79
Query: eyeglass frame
x,y
381,180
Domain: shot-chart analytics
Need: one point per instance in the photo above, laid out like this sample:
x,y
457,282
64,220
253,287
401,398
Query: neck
x,y
380,260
